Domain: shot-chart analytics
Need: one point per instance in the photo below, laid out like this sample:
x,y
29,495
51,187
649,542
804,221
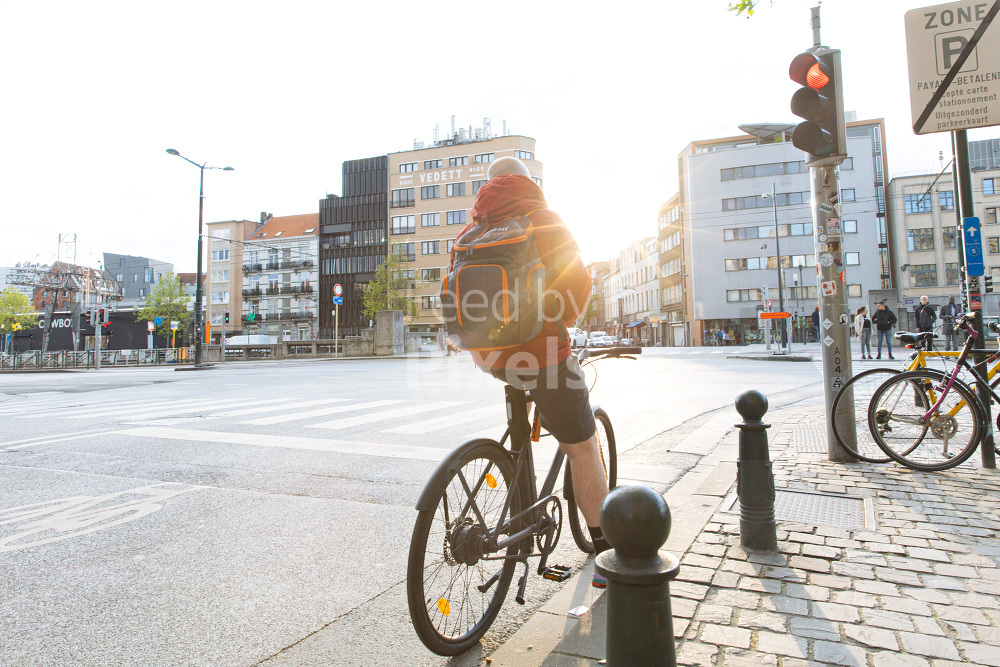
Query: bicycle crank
x,y
944,427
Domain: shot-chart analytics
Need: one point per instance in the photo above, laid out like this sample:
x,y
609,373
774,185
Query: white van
x,y
252,339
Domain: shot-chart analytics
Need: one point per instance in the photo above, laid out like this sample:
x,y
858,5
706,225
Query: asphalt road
x,y
260,513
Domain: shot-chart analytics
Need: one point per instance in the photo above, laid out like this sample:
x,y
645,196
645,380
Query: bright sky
x,y
95,92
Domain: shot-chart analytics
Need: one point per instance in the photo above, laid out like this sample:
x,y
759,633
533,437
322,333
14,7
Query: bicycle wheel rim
x,y
609,459
448,612
944,441
855,395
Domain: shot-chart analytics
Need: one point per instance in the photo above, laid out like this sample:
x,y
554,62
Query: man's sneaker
x,y
599,581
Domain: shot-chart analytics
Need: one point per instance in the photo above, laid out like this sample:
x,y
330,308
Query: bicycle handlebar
x,y
587,353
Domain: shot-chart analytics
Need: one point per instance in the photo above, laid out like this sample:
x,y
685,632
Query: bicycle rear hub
x,y
468,542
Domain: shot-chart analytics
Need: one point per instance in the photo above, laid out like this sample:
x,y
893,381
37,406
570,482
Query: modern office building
x,y
224,274
729,251
137,276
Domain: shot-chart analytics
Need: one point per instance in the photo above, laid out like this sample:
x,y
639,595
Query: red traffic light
x,y
819,102
808,70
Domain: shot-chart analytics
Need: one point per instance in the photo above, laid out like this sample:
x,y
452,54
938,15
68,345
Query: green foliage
x,y
388,290
16,311
168,300
743,6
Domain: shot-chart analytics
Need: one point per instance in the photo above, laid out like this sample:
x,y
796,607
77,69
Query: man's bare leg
x,y
590,486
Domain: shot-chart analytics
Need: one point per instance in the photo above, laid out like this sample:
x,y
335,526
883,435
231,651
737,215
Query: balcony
x,y
272,266
272,290
251,268
253,293
297,264
292,316
297,289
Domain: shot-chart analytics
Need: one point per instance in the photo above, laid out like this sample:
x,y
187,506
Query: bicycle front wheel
x,y
855,396
454,586
899,421
609,459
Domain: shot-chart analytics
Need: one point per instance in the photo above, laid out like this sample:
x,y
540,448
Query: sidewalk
x,y
877,566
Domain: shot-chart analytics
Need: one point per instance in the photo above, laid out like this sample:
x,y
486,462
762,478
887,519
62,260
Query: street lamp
x,y
777,250
197,287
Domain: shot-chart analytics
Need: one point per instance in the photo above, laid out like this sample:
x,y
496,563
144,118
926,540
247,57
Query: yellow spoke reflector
x,y
444,607
491,481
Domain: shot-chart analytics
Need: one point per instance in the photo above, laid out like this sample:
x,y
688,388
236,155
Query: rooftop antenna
x,y
505,127
453,125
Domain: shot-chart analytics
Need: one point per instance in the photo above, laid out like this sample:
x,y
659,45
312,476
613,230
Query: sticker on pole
x,y
828,288
828,341
836,383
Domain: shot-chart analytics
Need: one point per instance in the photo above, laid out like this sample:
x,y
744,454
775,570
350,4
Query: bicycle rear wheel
x,y
609,459
945,440
454,587
855,395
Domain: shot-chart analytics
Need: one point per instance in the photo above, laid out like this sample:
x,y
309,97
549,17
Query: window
x,y
455,190
430,302
537,181
433,164
448,244
949,238
770,169
476,185
147,276
524,155
850,226
993,245
430,275
402,198
407,167
743,295
847,164
430,219
919,239
946,200
220,297
430,192
120,277
456,217
142,294
402,224
781,199
847,194
458,161
430,248
405,251
741,233
483,158
989,186
990,216
923,275
123,262
220,276
219,255
916,204
951,273
852,258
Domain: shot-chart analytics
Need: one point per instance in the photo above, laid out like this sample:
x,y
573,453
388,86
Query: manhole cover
x,y
810,438
819,509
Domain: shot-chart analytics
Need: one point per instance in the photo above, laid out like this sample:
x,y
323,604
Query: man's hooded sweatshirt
x,y
510,195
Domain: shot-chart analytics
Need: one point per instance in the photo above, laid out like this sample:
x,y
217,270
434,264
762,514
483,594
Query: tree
x,y
388,290
168,301
16,311
743,6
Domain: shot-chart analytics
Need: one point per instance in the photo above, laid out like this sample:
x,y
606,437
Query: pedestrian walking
x,y
863,329
815,319
924,315
949,312
884,320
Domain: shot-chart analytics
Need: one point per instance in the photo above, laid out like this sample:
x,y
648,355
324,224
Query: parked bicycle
x,y
481,514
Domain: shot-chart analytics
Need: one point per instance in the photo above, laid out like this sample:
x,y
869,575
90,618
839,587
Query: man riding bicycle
x,y
545,364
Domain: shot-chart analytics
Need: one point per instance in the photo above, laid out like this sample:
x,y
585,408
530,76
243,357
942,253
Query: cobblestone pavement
x,y
916,582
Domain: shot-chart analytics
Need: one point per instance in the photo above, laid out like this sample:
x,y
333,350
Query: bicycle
x,y
928,420
480,515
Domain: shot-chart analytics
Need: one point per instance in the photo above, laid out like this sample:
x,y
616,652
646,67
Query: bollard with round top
x,y
640,626
754,477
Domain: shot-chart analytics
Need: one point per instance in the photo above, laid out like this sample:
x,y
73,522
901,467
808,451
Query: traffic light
x,y
251,316
227,317
987,284
821,102
93,316
102,315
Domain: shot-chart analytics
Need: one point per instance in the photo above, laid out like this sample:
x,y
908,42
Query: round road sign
x,y
338,290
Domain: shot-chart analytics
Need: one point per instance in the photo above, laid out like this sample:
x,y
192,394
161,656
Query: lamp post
x,y
777,249
197,287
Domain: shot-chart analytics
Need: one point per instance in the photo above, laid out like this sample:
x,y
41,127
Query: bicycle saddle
x,y
916,338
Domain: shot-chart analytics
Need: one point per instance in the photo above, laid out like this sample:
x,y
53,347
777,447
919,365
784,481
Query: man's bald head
x,y
506,165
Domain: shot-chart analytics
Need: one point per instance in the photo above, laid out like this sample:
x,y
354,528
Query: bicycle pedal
x,y
557,572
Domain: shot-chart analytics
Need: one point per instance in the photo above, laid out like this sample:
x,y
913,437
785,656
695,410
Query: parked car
x,y
577,337
598,339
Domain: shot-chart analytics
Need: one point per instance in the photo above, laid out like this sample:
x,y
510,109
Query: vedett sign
x,y
935,39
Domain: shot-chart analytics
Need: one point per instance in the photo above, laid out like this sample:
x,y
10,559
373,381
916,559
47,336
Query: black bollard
x,y
754,477
640,629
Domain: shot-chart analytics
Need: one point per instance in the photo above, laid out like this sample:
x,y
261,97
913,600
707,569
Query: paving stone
x,y
985,587
830,581
945,545
934,647
854,570
961,614
841,543
759,585
682,607
741,567
816,551
725,636
907,541
831,531
855,599
887,548
817,593
975,560
949,570
943,583
680,626
698,560
704,549
873,637
767,558
805,538
865,557
898,576
697,575
909,564
785,605
928,626
962,631
835,612
877,588
810,564
980,654
784,573
886,659
887,619
975,600
928,554
840,654
695,654
782,644
733,598
814,628
737,657
712,613
988,635
907,606
926,595
725,579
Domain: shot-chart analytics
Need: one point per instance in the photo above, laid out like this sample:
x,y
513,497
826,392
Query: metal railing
x,y
38,360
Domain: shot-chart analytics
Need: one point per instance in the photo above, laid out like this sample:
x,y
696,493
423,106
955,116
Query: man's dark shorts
x,y
562,397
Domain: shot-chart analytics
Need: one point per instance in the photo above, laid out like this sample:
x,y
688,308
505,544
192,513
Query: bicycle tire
x,y
861,388
947,440
448,612
609,459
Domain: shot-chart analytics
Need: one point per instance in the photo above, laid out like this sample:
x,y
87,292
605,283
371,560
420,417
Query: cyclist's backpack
x,y
492,298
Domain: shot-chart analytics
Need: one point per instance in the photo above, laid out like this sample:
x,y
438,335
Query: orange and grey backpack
x,y
493,297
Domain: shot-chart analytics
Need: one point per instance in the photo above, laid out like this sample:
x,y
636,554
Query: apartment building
x,y
280,276
923,214
224,274
670,328
730,255
431,192
137,276
595,317
631,291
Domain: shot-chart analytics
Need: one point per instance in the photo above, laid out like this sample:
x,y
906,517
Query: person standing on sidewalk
x,y
949,312
884,320
815,318
924,315
863,329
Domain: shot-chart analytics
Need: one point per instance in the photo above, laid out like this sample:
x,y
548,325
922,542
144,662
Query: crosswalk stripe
x,y
428,425
280,419
74,407
388,414
159,411
272,408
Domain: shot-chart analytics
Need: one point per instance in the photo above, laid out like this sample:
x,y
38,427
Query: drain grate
x,y
819,509
810,438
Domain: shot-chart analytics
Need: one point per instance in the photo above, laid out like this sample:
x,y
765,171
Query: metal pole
x,y
336,332
197,287
783,330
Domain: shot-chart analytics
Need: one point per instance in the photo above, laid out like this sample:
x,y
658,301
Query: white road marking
x,y
382,416
295,416
273,408
428,425
54,438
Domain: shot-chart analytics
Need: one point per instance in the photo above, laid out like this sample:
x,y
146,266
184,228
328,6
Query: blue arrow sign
x,y
973,242
339,300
